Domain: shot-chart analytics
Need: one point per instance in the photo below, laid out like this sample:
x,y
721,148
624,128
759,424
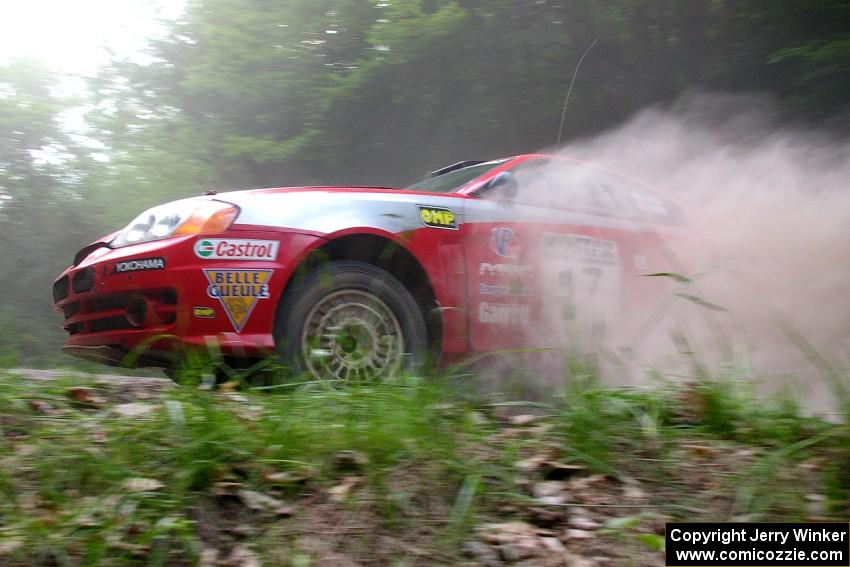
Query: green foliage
x,y
42,190
81,480
84,460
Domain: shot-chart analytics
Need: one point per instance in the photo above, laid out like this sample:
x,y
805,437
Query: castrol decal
x,y
232,249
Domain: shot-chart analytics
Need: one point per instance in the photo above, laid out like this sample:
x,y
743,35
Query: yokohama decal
x,y
238,291
139,265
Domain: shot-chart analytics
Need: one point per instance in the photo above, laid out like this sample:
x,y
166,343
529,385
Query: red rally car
x,y
347,282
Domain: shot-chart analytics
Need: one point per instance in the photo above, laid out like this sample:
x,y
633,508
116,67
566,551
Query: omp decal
x,y
486,268
504,313
500,290
580,247
504,243
227,249
203,312
438,217
139,265
238,291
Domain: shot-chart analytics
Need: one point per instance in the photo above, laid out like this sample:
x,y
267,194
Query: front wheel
x,y
350,321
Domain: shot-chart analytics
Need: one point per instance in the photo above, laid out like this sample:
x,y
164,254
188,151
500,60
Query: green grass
x,y
430,460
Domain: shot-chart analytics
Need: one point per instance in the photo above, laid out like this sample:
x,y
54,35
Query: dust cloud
x,y
763,233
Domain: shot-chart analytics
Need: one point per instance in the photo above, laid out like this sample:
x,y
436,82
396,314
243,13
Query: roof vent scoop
x,y
455,167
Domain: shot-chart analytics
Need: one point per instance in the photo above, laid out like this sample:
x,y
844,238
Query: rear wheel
x,y
350,321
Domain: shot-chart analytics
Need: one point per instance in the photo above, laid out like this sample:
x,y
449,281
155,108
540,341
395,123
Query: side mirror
x,y
502,186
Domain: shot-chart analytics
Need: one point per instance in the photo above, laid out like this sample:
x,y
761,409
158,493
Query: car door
x,y
550,263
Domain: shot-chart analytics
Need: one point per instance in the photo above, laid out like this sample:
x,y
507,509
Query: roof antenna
x,y
570,90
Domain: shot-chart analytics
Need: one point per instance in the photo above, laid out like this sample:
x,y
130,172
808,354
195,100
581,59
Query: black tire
x,y
350,320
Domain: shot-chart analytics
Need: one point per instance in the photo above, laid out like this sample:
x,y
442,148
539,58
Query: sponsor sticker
x,y
139,265
580,247
438,217
486,268
504,313
234,249
203,312
581,275
504,243
238,291
501,290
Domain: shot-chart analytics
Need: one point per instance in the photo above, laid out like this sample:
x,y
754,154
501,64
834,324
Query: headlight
x,y
177,219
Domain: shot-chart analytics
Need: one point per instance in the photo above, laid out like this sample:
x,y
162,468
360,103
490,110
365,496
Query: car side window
x,y
569,186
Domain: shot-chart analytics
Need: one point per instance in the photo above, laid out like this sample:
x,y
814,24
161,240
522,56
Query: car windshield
x,y
450,182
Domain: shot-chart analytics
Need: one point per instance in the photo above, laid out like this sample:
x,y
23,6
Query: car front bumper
x,y
145,304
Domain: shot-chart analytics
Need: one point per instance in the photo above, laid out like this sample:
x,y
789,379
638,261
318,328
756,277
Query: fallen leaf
x,y
299,476
578,534
243,530
545,516
531,463
241,556
571,560
134,409
547,488
633,492
624,523
583,522
209,557
84,396
816,506
258,501
523,419
701,450
519,549
478,418
9,545
285,511
142,484
340,492
505,531
25,450
555,500
40,406
553,544
225,488
482,553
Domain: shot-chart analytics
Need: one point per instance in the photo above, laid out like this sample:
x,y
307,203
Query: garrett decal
x,y
438,217
226,249
504,243
504,313
139,265
203,312
238,291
